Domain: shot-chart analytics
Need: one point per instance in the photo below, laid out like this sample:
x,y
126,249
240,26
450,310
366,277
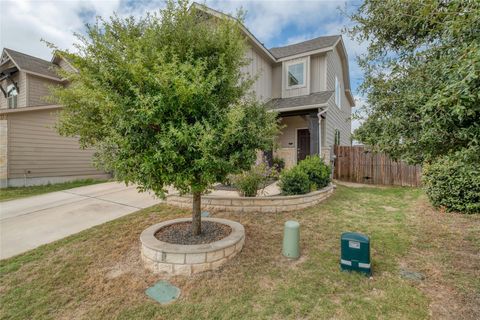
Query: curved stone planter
x,y
255,204
177,259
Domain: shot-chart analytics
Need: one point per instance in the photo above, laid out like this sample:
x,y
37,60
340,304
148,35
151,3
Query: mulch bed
x,y
181,233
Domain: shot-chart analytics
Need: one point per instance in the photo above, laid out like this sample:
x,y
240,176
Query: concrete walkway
x,y
30,222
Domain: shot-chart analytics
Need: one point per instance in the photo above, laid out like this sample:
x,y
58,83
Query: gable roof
x,y
222,15
33,65
312,99
305,46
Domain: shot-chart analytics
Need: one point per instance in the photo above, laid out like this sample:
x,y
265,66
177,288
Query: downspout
x,y
319,115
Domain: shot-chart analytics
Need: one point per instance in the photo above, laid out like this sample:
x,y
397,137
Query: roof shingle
x,y
307,100
302,47
33,64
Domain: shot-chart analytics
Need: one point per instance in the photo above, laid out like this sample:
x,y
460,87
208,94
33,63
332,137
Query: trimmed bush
x,y
294,181
318,172
248,182
453,182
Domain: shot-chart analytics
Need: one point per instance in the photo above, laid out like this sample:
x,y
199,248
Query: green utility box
x,y
355,254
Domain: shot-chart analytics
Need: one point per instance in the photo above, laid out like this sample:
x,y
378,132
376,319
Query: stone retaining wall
x,y
177,259
255,204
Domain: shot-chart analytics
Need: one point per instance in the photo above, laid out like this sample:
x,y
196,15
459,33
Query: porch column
x,y
314,129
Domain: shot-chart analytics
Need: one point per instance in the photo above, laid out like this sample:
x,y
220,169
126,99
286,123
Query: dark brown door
x,y
303,144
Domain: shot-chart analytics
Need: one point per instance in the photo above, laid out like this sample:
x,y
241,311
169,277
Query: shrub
x,y
318,172
278,164
248,182
294,181
453,182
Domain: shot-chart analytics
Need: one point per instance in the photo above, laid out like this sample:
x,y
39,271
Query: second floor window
x,y
296,75
12,95
338,93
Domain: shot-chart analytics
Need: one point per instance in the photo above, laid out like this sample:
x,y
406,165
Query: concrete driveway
x,y
30,222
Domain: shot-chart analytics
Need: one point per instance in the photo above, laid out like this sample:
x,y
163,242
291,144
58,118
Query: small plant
x,y
318,172
278,164
248,182
294,181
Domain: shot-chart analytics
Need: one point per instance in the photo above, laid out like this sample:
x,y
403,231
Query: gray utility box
x,y
355,254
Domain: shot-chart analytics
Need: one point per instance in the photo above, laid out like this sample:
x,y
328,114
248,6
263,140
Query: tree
x,y
164,102
422,78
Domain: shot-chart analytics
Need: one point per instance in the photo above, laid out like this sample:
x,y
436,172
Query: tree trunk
x,y
196,214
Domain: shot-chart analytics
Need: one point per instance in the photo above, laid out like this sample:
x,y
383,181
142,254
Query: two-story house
x,y
308,84
31,151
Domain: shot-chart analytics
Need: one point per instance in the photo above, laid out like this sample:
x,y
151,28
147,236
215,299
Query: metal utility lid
x,y
163,292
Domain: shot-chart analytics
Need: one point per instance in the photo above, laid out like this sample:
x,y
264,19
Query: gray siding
x,y
259,67
318,73
38,90
277,81
337,118
65,65
35,146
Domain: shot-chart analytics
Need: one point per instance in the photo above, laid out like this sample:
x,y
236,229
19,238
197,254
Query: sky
x,y
23,23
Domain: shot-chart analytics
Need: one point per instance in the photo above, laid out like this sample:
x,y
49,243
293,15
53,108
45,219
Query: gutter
x,y
28,109
304,107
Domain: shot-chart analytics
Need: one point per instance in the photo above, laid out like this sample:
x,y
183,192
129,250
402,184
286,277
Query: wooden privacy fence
x,y
357,164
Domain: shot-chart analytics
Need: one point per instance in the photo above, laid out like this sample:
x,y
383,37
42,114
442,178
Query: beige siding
x,y
259,67
35,148
337,118
21,79
3,152
287,140
286,93
318,73
277,81
38,90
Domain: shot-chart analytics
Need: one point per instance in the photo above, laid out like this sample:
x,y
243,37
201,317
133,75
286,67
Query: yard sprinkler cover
x,y
291,240
163,292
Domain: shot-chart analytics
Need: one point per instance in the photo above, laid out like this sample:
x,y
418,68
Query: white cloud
x,y
24,22
268,19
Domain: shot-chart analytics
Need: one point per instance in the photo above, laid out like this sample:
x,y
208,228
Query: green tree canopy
x,y
422,77
164,102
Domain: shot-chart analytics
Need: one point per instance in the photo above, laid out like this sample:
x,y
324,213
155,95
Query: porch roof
x,y
307,101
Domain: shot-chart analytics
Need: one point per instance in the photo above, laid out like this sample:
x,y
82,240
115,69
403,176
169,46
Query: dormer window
x,y
296,75
12,96
338,93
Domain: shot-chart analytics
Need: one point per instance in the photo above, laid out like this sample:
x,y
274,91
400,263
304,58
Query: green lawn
x,y
22,192
97,274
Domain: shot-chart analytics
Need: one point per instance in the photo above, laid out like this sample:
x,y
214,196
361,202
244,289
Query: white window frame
x,y
287,65
12,100
338,93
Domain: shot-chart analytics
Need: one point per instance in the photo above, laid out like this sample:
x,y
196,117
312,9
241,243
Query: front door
x,y
303,144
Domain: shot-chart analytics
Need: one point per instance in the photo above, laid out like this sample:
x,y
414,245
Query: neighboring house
x,y
31,151
308,84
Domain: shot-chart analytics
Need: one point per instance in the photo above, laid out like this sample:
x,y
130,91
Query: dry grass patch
x,y
97,274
